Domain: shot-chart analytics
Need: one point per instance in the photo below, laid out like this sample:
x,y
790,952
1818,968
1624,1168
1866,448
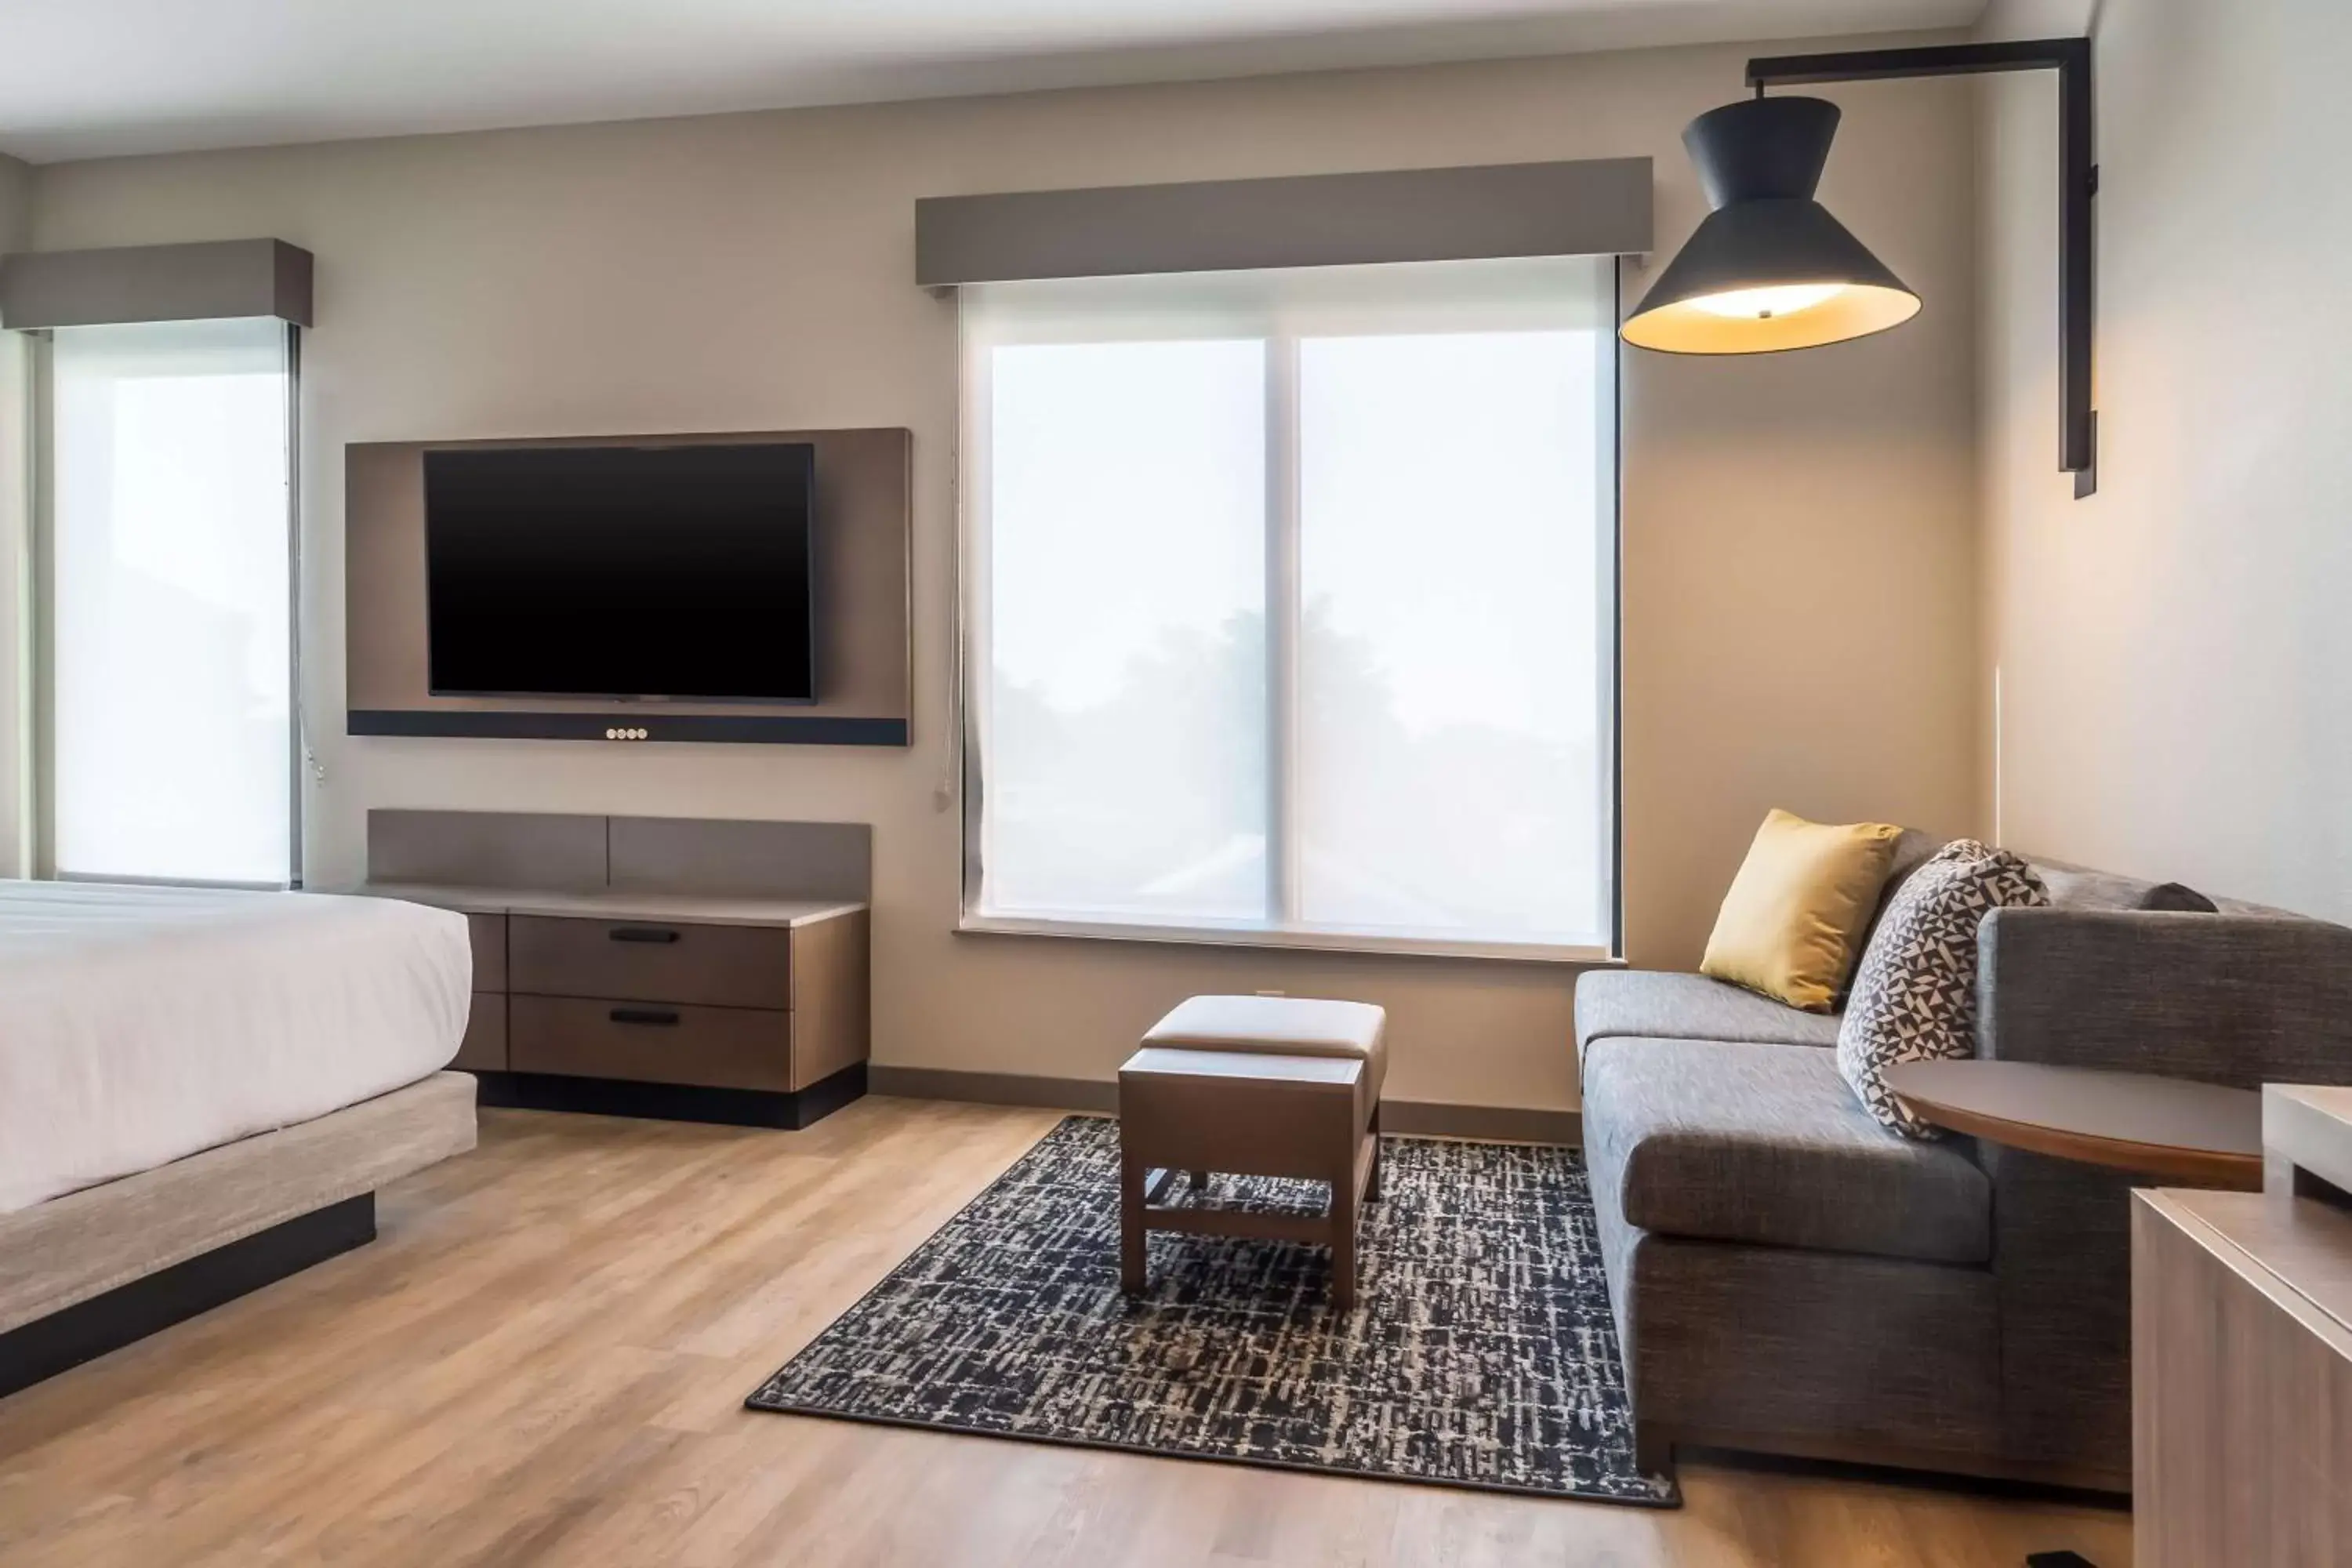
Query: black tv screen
x,y
626,571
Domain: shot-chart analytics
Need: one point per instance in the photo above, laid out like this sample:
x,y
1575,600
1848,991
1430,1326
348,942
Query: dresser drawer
x,y
651,961
489,934
720,1047
484,1048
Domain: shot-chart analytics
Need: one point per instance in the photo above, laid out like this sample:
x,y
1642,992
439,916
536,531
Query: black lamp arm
x,y
2078,184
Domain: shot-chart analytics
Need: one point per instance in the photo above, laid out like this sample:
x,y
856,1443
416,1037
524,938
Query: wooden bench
x,y
1260,1086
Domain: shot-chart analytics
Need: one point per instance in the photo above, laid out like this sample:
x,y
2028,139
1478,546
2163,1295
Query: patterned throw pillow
x,y
1914,996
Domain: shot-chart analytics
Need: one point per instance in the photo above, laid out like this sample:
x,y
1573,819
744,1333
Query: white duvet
x,y
141,1024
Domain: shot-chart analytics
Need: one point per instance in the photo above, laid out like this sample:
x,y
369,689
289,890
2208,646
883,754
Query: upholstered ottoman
x,y
1254,1085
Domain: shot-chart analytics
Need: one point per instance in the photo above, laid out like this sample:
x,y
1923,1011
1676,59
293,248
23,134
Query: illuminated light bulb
x,y
1765,304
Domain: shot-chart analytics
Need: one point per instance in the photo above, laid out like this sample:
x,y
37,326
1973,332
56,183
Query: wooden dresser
x,y
762,1003
699,989
2242,1355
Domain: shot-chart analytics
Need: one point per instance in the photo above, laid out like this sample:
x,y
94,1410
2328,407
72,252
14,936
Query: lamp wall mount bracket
x,y
2078,185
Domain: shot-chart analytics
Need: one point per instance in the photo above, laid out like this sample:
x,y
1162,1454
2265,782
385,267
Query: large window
x,y
169,604
1291,606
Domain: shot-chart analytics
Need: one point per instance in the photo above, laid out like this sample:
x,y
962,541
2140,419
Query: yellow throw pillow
x,y
1792,923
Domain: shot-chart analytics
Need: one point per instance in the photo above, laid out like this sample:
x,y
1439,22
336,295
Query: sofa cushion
x,y
1915,998
1912,850
2078,887
2081,887
1792,922
1656,1004
2179,898
1731,1142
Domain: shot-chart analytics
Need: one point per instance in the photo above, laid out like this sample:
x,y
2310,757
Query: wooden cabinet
x,y
484,1048
488,932
718,1047
740,1010
2241,1371
652,961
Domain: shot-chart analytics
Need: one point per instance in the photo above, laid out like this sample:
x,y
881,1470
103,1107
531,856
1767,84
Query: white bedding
x,y
141,1024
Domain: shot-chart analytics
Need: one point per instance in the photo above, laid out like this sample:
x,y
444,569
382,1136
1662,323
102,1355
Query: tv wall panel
x,y
865,670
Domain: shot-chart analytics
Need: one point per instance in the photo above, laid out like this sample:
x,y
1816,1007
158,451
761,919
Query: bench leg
x,y
1372,1182
1200,1181
1131,1175
1344,1205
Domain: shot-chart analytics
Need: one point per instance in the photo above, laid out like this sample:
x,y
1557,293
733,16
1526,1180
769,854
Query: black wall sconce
x,y
1769,270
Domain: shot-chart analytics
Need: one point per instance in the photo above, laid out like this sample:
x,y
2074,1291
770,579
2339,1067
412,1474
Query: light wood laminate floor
x,y
542,1360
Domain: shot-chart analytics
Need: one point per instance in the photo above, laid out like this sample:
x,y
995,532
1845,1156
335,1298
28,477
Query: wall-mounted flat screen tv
x,y
680,572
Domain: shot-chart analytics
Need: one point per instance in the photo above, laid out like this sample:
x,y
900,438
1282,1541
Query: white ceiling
x,y
84,79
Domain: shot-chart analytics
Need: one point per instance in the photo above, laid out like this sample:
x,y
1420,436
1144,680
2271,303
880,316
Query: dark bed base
x,y
673,1102
87,1330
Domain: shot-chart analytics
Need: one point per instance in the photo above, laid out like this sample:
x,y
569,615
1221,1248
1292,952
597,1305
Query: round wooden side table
x,y
2193,1134
2196,1135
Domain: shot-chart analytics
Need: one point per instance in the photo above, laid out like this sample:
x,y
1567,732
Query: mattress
x,y
139,1026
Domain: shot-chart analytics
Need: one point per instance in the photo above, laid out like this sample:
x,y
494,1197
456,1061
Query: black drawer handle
x,y
642,934
658,1017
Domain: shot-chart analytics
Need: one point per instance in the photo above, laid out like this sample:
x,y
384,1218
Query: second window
x,y
1292,605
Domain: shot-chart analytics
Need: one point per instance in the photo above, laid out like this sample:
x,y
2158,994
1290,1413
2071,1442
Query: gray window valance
x,y
210,281
1591,207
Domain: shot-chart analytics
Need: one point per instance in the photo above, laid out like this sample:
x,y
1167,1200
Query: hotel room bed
x,y
201,1089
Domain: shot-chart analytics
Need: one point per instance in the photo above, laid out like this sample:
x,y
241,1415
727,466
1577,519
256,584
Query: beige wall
x,y
1800,562
15,202
2174,656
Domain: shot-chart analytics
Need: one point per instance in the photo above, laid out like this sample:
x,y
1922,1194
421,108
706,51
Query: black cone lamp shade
x,y
1770,268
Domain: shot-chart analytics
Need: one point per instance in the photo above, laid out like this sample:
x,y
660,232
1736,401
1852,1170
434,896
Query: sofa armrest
x,y
2224,998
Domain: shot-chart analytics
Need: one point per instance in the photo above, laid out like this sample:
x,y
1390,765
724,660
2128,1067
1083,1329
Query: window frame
x,y
965,781
42,775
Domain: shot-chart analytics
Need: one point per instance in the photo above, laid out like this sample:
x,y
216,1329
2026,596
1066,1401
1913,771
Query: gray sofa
x,y
1789,1277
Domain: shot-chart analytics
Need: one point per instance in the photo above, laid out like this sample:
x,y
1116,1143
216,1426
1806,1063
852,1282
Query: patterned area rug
x,y
1481,1353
